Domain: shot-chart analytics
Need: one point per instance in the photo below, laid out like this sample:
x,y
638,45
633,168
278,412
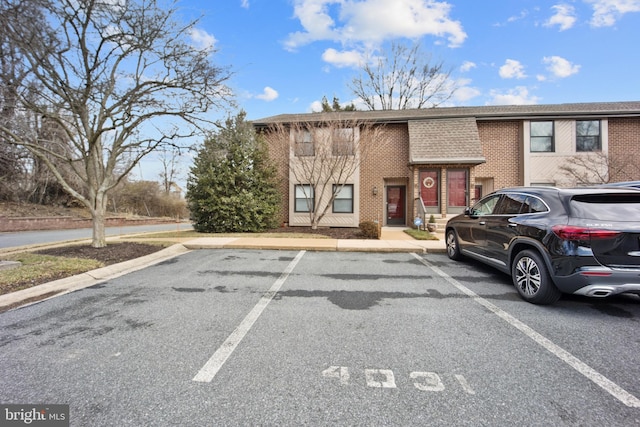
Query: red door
x,y
430,189
457,190
396,205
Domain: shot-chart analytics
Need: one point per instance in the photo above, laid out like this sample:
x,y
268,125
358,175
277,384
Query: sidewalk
x,y
392,240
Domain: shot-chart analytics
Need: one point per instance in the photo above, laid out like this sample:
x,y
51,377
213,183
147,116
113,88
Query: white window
x,y
304,198
343,203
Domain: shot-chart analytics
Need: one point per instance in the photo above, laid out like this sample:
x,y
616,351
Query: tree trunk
x,y
98,215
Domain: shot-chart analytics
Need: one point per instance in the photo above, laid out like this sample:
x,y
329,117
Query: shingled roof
x,y
450,134
445,141
493,112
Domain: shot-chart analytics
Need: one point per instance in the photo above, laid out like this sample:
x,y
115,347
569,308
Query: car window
x,y
607,207
485,206
533,205
510,204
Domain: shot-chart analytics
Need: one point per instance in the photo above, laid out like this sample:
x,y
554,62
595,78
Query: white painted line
x,y
603,382
465,385
213,365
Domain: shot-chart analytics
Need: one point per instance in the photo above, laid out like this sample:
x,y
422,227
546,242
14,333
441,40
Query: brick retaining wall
x,y
67,222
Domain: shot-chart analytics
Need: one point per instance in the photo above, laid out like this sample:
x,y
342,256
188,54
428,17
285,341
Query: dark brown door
x,y
396,201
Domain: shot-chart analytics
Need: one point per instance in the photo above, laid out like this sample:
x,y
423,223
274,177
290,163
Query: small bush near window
x,y
370,230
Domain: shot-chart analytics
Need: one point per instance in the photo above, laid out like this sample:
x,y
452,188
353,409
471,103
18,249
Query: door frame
x,y
437,182
458,209
403,195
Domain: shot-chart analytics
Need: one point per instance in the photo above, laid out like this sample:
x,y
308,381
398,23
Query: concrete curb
x,y
90,278
349,245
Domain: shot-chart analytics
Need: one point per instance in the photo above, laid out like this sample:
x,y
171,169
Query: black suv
x,y
582,241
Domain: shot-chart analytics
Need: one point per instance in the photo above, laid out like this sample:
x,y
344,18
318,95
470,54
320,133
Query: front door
x,y
430,190
457,190
396,201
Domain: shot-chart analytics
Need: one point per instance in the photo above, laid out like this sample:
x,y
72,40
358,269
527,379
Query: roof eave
x,y
453,160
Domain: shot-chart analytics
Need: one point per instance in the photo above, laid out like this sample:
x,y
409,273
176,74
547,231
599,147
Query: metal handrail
x,y
422,212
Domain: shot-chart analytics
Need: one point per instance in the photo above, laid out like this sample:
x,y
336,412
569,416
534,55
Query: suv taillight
x,y
572,232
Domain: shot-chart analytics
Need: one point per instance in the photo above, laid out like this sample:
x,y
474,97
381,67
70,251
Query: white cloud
x,y
202,39
607,12
347,58
565,17
517,96
244,4
467,66
316,106
512,69
560,67
373,21
465,92
519,17
268,95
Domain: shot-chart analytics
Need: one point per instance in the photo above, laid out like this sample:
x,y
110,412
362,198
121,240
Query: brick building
x,y
443,159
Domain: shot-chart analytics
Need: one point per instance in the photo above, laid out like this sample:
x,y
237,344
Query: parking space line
x,y
603,382
213,365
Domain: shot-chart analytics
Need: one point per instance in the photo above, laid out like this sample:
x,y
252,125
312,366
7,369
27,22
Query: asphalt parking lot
x,y
249,337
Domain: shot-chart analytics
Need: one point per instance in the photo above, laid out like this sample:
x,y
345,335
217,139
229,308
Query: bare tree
x,y
599,168
323,156
118,80
402,78
170,160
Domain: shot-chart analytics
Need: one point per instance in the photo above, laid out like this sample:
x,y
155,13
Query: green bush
x,y
370,229
232,185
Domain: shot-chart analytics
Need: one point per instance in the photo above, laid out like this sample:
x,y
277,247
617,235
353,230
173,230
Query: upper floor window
x,y
588,135
303,143
542,137
342,140
343,203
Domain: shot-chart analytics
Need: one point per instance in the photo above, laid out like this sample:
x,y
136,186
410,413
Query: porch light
x,y
375,191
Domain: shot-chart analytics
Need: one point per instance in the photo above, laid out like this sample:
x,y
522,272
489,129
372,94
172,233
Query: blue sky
x,y
287,54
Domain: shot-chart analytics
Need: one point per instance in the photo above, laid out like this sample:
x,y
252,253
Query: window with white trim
x,y
343,203
304,198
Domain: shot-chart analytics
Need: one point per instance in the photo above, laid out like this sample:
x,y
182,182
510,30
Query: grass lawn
x,y
41,267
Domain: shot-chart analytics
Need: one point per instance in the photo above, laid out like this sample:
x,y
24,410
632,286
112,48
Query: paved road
x,y
22,238
241,337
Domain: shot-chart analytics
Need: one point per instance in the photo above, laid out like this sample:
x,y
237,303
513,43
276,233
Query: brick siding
x,y
624,148
502,149
389,162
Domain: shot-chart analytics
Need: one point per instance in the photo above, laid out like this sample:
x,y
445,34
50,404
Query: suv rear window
x,y
612,207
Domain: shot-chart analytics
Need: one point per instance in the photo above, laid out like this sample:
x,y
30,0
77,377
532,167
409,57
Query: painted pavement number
x,y
385,378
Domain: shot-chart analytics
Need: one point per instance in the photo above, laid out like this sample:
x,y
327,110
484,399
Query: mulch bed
x,y
113,253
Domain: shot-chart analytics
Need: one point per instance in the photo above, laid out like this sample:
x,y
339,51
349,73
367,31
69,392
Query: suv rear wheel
x,y
532,280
